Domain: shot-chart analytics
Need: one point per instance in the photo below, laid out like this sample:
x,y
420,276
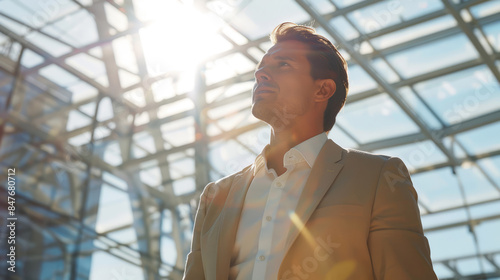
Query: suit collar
x,y
323,174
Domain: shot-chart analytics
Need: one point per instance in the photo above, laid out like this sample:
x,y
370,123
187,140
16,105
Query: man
x,y
307,208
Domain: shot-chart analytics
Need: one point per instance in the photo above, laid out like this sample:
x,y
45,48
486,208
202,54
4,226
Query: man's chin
x,y
261,112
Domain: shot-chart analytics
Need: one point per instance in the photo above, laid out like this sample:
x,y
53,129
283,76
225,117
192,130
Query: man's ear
x,y
326,90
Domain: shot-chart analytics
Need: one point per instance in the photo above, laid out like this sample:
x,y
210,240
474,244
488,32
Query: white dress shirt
x,y
264,224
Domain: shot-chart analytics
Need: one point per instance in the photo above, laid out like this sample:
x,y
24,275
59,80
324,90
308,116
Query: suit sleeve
x,y
398,248
194,264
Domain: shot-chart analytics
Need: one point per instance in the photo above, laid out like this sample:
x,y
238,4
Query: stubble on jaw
x,y
277,117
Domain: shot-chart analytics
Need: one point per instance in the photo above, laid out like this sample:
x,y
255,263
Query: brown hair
x,y
326,63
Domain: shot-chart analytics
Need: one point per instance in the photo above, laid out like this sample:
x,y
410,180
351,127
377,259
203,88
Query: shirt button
x,y
261,258
268,218
278,185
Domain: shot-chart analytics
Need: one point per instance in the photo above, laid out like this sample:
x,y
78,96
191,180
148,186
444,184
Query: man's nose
x,y
262,75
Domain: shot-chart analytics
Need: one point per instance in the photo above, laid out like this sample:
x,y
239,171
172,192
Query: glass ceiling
x,y
116,113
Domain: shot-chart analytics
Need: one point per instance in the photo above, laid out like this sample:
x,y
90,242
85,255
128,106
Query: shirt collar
x,y
311,147
308,150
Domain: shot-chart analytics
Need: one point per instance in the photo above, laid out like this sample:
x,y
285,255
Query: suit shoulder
x,y
224,183
229,178
363,155
364,158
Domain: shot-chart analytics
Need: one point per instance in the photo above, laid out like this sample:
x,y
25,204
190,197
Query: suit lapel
x,y
323,173
230,221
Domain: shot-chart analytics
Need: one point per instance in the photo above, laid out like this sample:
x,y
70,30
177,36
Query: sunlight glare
x,y
180,37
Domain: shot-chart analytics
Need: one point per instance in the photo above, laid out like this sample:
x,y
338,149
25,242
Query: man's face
x,y
284,89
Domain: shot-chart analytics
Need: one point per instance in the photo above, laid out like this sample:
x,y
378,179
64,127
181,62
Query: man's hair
x,y
326,63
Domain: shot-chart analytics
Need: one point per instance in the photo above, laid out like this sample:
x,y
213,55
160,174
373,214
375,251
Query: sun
x,y
180,37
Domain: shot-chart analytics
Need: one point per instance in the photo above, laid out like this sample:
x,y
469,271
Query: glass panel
x,y
419,108
136,96
168,250
163,89
264,20
492,32
228,67
384,70
125,55
462,95
151,176
179,132
487,233
58,75
13,26
345,29
47,44
107,266
388,13
235,36
222,93
255,140
359,80
128,79
77,120
81,91
481,140
476,186
472,266
444,218
375,118
31,58
433,56
116,18
88,65
346,3
174,108
184,186
485,210
145,141
114,209
414,9
230,116
182,167
413,32
227,157
78,29
455,147
442,271
37,13
438,189
322,6
485,9
444,243
416,155
491,165
339,137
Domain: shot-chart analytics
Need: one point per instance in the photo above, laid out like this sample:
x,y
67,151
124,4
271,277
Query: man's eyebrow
x,y
278,57
281,57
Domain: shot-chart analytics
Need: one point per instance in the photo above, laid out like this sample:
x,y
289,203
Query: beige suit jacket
x,y
357,218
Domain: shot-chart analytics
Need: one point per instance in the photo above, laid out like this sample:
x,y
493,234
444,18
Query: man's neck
x,y
282,141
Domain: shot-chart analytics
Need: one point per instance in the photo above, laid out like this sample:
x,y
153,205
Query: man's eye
x,y
284,64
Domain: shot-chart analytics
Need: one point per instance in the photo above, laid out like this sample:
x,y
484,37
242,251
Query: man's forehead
x,y
287,48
